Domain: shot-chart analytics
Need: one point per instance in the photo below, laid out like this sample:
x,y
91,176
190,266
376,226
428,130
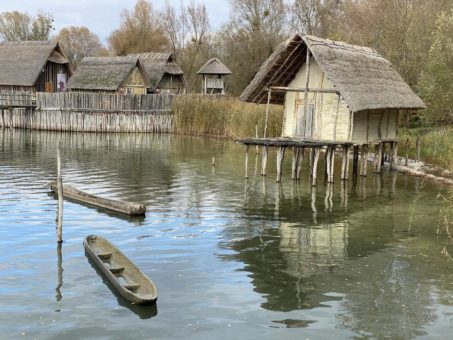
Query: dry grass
x,y
436,145
223,117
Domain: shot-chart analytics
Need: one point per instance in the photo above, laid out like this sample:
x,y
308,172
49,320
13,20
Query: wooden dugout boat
x,y
129,281
132,209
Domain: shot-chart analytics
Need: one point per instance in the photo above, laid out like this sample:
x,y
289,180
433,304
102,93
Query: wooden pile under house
x,y
162,73
335,96
33,66
122,75
213,73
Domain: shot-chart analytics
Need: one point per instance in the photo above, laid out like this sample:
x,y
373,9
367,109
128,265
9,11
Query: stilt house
x,y
162,73
213,73
333,91
33,66
122,75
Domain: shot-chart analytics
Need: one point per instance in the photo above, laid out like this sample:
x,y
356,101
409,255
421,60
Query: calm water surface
x,y
232,258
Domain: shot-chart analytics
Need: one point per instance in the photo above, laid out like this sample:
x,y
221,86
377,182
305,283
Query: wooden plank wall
x,y
94,112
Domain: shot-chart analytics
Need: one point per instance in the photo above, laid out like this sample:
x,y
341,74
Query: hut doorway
x,y
304,124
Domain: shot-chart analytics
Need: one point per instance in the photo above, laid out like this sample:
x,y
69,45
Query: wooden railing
x,y
17,100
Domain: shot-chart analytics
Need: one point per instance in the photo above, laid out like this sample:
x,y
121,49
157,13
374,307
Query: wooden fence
x,y
94,112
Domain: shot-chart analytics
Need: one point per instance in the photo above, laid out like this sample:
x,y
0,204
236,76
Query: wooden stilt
x,y
332,165
3,119
60,197
256,135
364,161
327,163
355,160
264,161
314,167
378,158
296,152
299,162
383,148
213,161
344,162
246,161
394,155
280,156
11,119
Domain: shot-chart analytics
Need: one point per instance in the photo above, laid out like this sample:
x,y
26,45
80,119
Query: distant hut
x,y
162,73
33,66
333,91
122,75
213,72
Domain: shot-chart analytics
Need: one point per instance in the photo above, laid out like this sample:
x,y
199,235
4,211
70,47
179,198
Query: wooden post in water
x,y
213,161
364,161
296,152
246,161
314,165
264,161
3,119
345,163
299,163
332,165
394,155
280,157
378,158
355,160
256,135
60,197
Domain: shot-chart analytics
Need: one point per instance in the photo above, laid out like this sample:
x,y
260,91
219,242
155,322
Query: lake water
x,y
232,258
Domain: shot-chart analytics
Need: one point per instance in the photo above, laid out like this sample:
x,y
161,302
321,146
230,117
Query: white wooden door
x,y
304,124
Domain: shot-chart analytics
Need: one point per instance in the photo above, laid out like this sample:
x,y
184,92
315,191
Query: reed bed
x,y
436,145
223,117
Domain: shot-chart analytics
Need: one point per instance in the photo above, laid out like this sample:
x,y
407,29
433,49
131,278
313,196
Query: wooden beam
x,y
298,89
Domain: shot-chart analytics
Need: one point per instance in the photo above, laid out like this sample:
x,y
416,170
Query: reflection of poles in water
x,y
278,197
313,205
394,175
363,187
256,163
59,273
328,203
60,196
377,183
264,186
344,194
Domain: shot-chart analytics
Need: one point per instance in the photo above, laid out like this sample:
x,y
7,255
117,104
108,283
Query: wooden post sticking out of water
x,y
256,135
393,155
280,156
60,197
378,158
296,152
364,161
246,161
213,161
264,162
3,119
332,164
299,163
314,165
355,160
345,163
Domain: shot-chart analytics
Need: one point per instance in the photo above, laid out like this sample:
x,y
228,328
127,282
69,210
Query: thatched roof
x,y
214,66
21,62
156,65
102,73
364,79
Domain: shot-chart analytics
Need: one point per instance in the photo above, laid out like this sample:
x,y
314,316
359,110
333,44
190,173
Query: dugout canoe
x,y
124,276
132,209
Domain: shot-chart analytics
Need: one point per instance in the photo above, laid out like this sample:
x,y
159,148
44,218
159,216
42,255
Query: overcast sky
x,y
101,16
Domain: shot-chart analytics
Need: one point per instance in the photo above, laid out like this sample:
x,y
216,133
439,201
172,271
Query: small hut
x,y
213,72
33,66
334,95
122,75
162,73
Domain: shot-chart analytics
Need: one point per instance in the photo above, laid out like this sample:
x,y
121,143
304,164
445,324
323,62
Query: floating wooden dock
x,y
132,209
360,155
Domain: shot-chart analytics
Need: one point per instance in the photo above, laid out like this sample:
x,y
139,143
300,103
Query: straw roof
x,y
21,62
364,79
214,66
156,65
102,73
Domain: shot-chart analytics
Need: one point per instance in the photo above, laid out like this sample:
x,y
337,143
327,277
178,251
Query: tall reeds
x,y
223,117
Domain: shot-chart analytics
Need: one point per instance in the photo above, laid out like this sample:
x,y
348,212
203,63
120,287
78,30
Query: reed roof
x,y
21,62
214,66
156,65
364,79
102,73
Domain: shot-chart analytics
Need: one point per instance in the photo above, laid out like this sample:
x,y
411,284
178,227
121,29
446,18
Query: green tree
x,y
140,31
436,81
17,26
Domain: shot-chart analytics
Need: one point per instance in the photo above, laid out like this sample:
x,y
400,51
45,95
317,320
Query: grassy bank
x,y
436,145
224,117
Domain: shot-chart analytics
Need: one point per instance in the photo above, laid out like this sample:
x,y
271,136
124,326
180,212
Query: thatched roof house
x,y
33,66
347,92
109,74
162,73
213,72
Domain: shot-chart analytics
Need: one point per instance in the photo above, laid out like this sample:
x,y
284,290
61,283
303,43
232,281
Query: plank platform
x,y
290,142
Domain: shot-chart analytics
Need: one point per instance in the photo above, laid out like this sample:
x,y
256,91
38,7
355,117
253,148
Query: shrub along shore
x,y
223,116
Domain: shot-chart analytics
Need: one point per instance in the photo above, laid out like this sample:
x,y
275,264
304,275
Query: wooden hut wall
x,y
14,89
173,83
135,82
331,117
49,76
371,125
